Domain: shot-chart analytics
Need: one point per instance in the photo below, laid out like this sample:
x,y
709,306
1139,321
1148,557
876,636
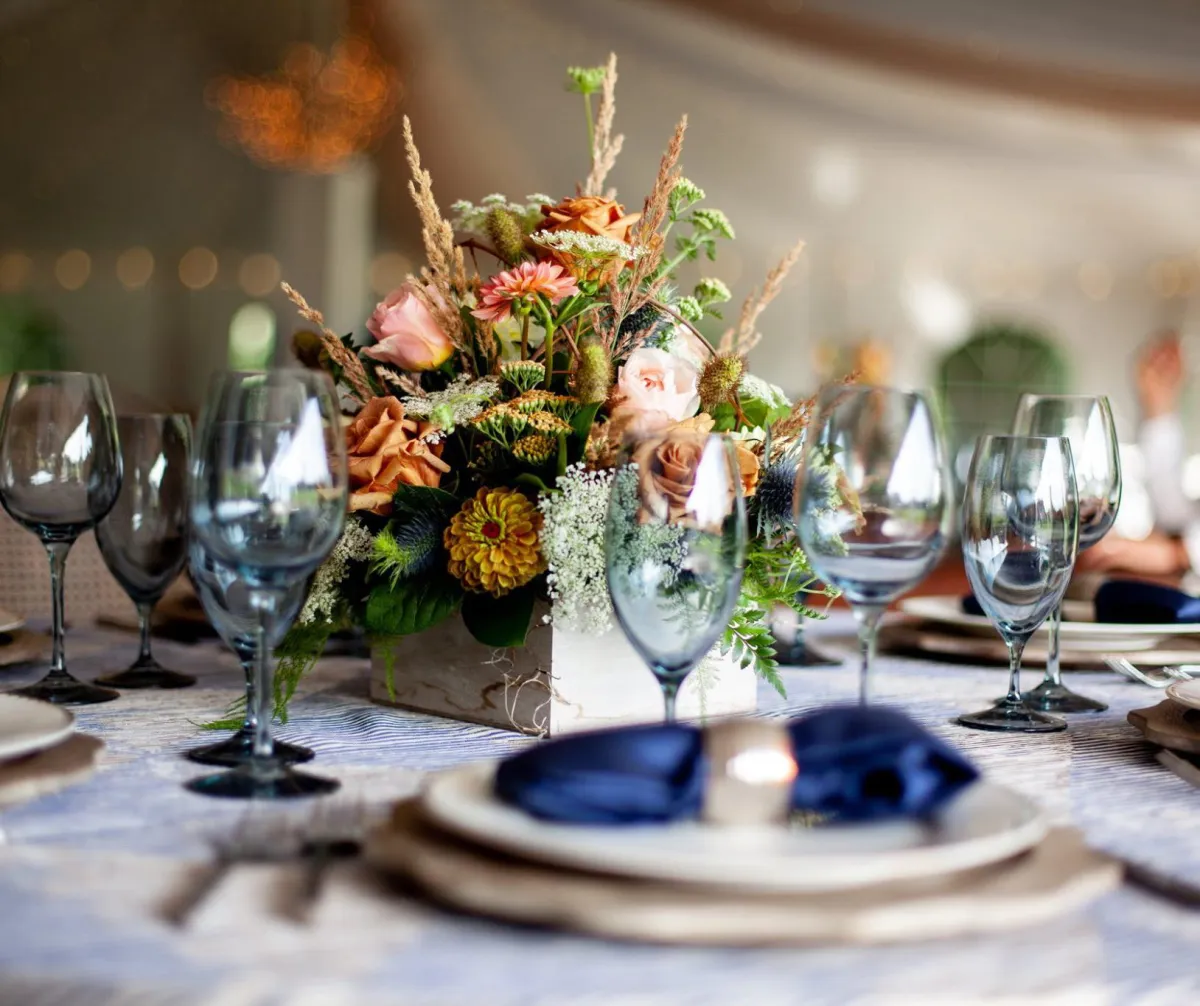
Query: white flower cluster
x,y
586,246
462,400
355,544
573,544
470,218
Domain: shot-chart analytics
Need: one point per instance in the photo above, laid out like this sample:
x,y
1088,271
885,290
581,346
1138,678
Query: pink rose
x,y
407,333
657,389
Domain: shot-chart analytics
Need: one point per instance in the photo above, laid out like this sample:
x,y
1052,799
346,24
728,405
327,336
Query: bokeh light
x,y
135,266
259,274
73,269
252,337
198,268
388,271
16,271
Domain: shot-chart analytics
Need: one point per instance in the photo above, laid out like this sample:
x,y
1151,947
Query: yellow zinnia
x,y
493,542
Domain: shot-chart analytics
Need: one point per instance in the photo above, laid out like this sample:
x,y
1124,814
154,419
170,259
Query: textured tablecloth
x,y
83,873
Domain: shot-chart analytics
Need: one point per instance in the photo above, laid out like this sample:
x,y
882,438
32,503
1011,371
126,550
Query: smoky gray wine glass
x,y
144,537
60,473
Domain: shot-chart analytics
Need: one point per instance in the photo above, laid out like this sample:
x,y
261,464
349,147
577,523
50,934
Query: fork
x,y
1163,677
335,833
255,839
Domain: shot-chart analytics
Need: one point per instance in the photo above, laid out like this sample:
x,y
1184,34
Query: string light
x,y
135,266
198,268
73,269
315,112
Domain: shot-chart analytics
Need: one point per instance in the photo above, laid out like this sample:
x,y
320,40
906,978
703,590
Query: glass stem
x,y
57,551
263,690
868,628
250,720
144,610
1053,668
670,690
1013,698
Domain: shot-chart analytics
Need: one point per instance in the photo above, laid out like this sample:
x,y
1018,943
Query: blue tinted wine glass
x,y
675,544
874,507
1020,537
268,498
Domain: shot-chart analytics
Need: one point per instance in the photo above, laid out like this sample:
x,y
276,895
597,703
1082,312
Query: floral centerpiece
x,y
491,397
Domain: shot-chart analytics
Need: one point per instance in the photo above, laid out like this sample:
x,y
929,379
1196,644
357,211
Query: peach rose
x,y
656,390
590,215
407,334
385,451
671,469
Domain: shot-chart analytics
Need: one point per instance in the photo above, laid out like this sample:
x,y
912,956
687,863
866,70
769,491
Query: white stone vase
x,y
559,682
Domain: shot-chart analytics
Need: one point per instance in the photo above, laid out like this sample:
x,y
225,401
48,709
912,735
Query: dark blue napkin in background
x,y
1142,603
855,763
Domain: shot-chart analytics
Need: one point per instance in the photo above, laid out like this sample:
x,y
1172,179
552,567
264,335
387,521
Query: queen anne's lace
x,y
573,544
356,544
461,401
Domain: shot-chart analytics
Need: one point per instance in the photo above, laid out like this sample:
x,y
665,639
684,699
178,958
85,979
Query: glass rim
x,y
59,373
1017,436
153,415
1074,397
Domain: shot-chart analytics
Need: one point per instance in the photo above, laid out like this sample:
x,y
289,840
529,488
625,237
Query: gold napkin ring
x,y
750,773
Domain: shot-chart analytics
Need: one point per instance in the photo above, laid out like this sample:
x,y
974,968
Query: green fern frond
x,y
403,549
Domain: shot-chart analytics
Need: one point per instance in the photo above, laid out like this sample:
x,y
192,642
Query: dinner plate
x,y
1078,632
1186,693
10,622
30,725
985,824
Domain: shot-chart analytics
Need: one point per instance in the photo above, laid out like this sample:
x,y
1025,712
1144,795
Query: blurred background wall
x,y
1028,169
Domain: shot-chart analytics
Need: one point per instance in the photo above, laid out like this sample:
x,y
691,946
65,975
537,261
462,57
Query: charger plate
x,y
1186,693
1058,875
1168,725
986,824
50,770
1078,631
29,725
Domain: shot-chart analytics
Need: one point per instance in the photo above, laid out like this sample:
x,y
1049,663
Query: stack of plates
x,y
939,626
987,862
40,752
1174,724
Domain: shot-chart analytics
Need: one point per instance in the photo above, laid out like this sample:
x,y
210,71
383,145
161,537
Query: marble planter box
x,y
559,682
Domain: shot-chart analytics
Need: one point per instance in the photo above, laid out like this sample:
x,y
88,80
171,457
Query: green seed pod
x,y
593,376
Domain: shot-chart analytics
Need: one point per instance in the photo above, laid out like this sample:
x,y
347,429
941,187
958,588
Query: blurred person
x,y
1173,547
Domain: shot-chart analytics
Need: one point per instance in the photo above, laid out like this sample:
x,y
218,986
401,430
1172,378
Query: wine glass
x,y
1087,422
268,498
60,473
1020,537
874,508
225,598
144,537
675,543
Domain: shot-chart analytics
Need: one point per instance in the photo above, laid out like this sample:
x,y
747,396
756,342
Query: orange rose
x,y
386,451
590,215
747,460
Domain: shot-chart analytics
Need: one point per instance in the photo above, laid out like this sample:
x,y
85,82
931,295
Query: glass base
x,y
1052,698
273,782
237,750
147,675
64,690
1018,719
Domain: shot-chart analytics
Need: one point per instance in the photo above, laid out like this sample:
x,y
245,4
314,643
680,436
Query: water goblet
x,y
225,599
60,473
1087,422
873,510
1020,538
144,537
675,543
268,498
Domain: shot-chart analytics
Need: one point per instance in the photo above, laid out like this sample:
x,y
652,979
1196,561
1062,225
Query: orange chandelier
x,y
314,113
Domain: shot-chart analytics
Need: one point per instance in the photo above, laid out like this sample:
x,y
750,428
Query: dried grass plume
x,y
352,369
605,147
744,336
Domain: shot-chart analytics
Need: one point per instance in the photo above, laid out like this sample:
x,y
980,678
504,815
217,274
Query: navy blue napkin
x,y
1144,603
855,764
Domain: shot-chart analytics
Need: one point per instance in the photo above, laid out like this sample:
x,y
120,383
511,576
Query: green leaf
x,y
411,606
756,411
724,418
499,621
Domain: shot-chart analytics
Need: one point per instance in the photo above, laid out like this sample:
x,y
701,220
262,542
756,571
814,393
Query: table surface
x,y
83,873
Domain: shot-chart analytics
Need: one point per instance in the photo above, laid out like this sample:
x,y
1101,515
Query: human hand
x,y
1160,376
1156,555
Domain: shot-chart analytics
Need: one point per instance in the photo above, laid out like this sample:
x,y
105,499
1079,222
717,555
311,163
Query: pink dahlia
x,y
523,285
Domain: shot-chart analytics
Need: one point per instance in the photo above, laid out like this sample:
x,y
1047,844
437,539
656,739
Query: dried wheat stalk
x,y
352,369
743,337
605,147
